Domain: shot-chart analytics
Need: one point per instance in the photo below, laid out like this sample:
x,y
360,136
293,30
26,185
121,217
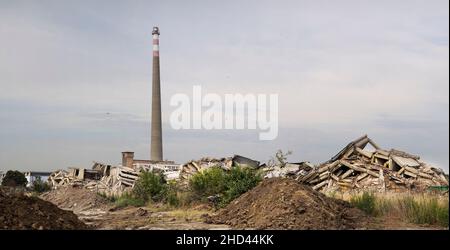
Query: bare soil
x,y
281,203
149,218
18,211
99,213
76,199
274,204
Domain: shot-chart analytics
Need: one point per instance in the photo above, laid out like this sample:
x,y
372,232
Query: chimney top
x,y
155,31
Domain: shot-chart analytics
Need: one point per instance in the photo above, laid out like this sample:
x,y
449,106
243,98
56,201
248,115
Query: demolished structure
x,y
190,168
112,180
354,167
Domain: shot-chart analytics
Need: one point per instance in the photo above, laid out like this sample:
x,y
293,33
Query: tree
x,y
40,186
14,179
280,159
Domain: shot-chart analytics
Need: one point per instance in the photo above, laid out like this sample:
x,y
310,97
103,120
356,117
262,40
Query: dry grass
x,y
187,214
422,209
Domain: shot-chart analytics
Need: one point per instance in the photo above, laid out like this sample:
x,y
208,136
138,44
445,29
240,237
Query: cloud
x,y
76,76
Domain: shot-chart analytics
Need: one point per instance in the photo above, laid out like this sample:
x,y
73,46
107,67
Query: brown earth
x,y
282,203
150,218
18,211
76,199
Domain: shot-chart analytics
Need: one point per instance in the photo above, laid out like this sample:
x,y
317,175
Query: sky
x,y
75,77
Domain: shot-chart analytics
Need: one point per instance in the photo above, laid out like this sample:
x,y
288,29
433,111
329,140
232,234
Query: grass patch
x,y
365,202
417,209
129,200
425,210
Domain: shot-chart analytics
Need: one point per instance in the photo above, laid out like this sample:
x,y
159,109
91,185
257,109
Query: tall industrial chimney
x,y
156,144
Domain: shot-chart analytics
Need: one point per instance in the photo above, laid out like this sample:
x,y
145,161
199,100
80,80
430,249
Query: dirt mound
x,y
76,199
279,203
18,211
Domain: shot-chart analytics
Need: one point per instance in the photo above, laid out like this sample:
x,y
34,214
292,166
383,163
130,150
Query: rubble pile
x,y
192,167
283,203
106,179
287,170
119,180
354,167
103,178
62,178
18,211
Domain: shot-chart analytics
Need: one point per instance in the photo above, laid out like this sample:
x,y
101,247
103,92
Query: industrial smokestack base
x,y
156,153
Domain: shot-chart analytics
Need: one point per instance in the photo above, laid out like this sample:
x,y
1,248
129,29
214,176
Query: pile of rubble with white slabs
x,y
355,167
190,168
107,179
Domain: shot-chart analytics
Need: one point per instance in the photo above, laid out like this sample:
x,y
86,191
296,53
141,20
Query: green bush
x,y
225,185
365,202
40,186
238,181
171,195
14,179
150,187
209,182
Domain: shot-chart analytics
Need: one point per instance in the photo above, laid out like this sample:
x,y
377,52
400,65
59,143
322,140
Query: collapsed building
x,y
190,168
113,180
355,167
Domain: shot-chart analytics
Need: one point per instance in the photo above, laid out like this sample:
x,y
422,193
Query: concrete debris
x,y
355,167
289,170
192,167
107,179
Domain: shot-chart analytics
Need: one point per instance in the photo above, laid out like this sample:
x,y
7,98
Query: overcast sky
x,y
75,77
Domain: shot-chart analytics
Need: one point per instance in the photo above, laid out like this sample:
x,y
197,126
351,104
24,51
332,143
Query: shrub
x,y
14,179
208,182
40,186
238,181
225,185
171,195
365,202
150,187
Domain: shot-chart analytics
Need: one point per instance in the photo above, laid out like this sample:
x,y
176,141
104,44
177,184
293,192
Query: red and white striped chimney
x,y
155,34
156,151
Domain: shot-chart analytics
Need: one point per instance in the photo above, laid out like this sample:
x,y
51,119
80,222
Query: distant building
x,y
31,176
170,168
2,174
